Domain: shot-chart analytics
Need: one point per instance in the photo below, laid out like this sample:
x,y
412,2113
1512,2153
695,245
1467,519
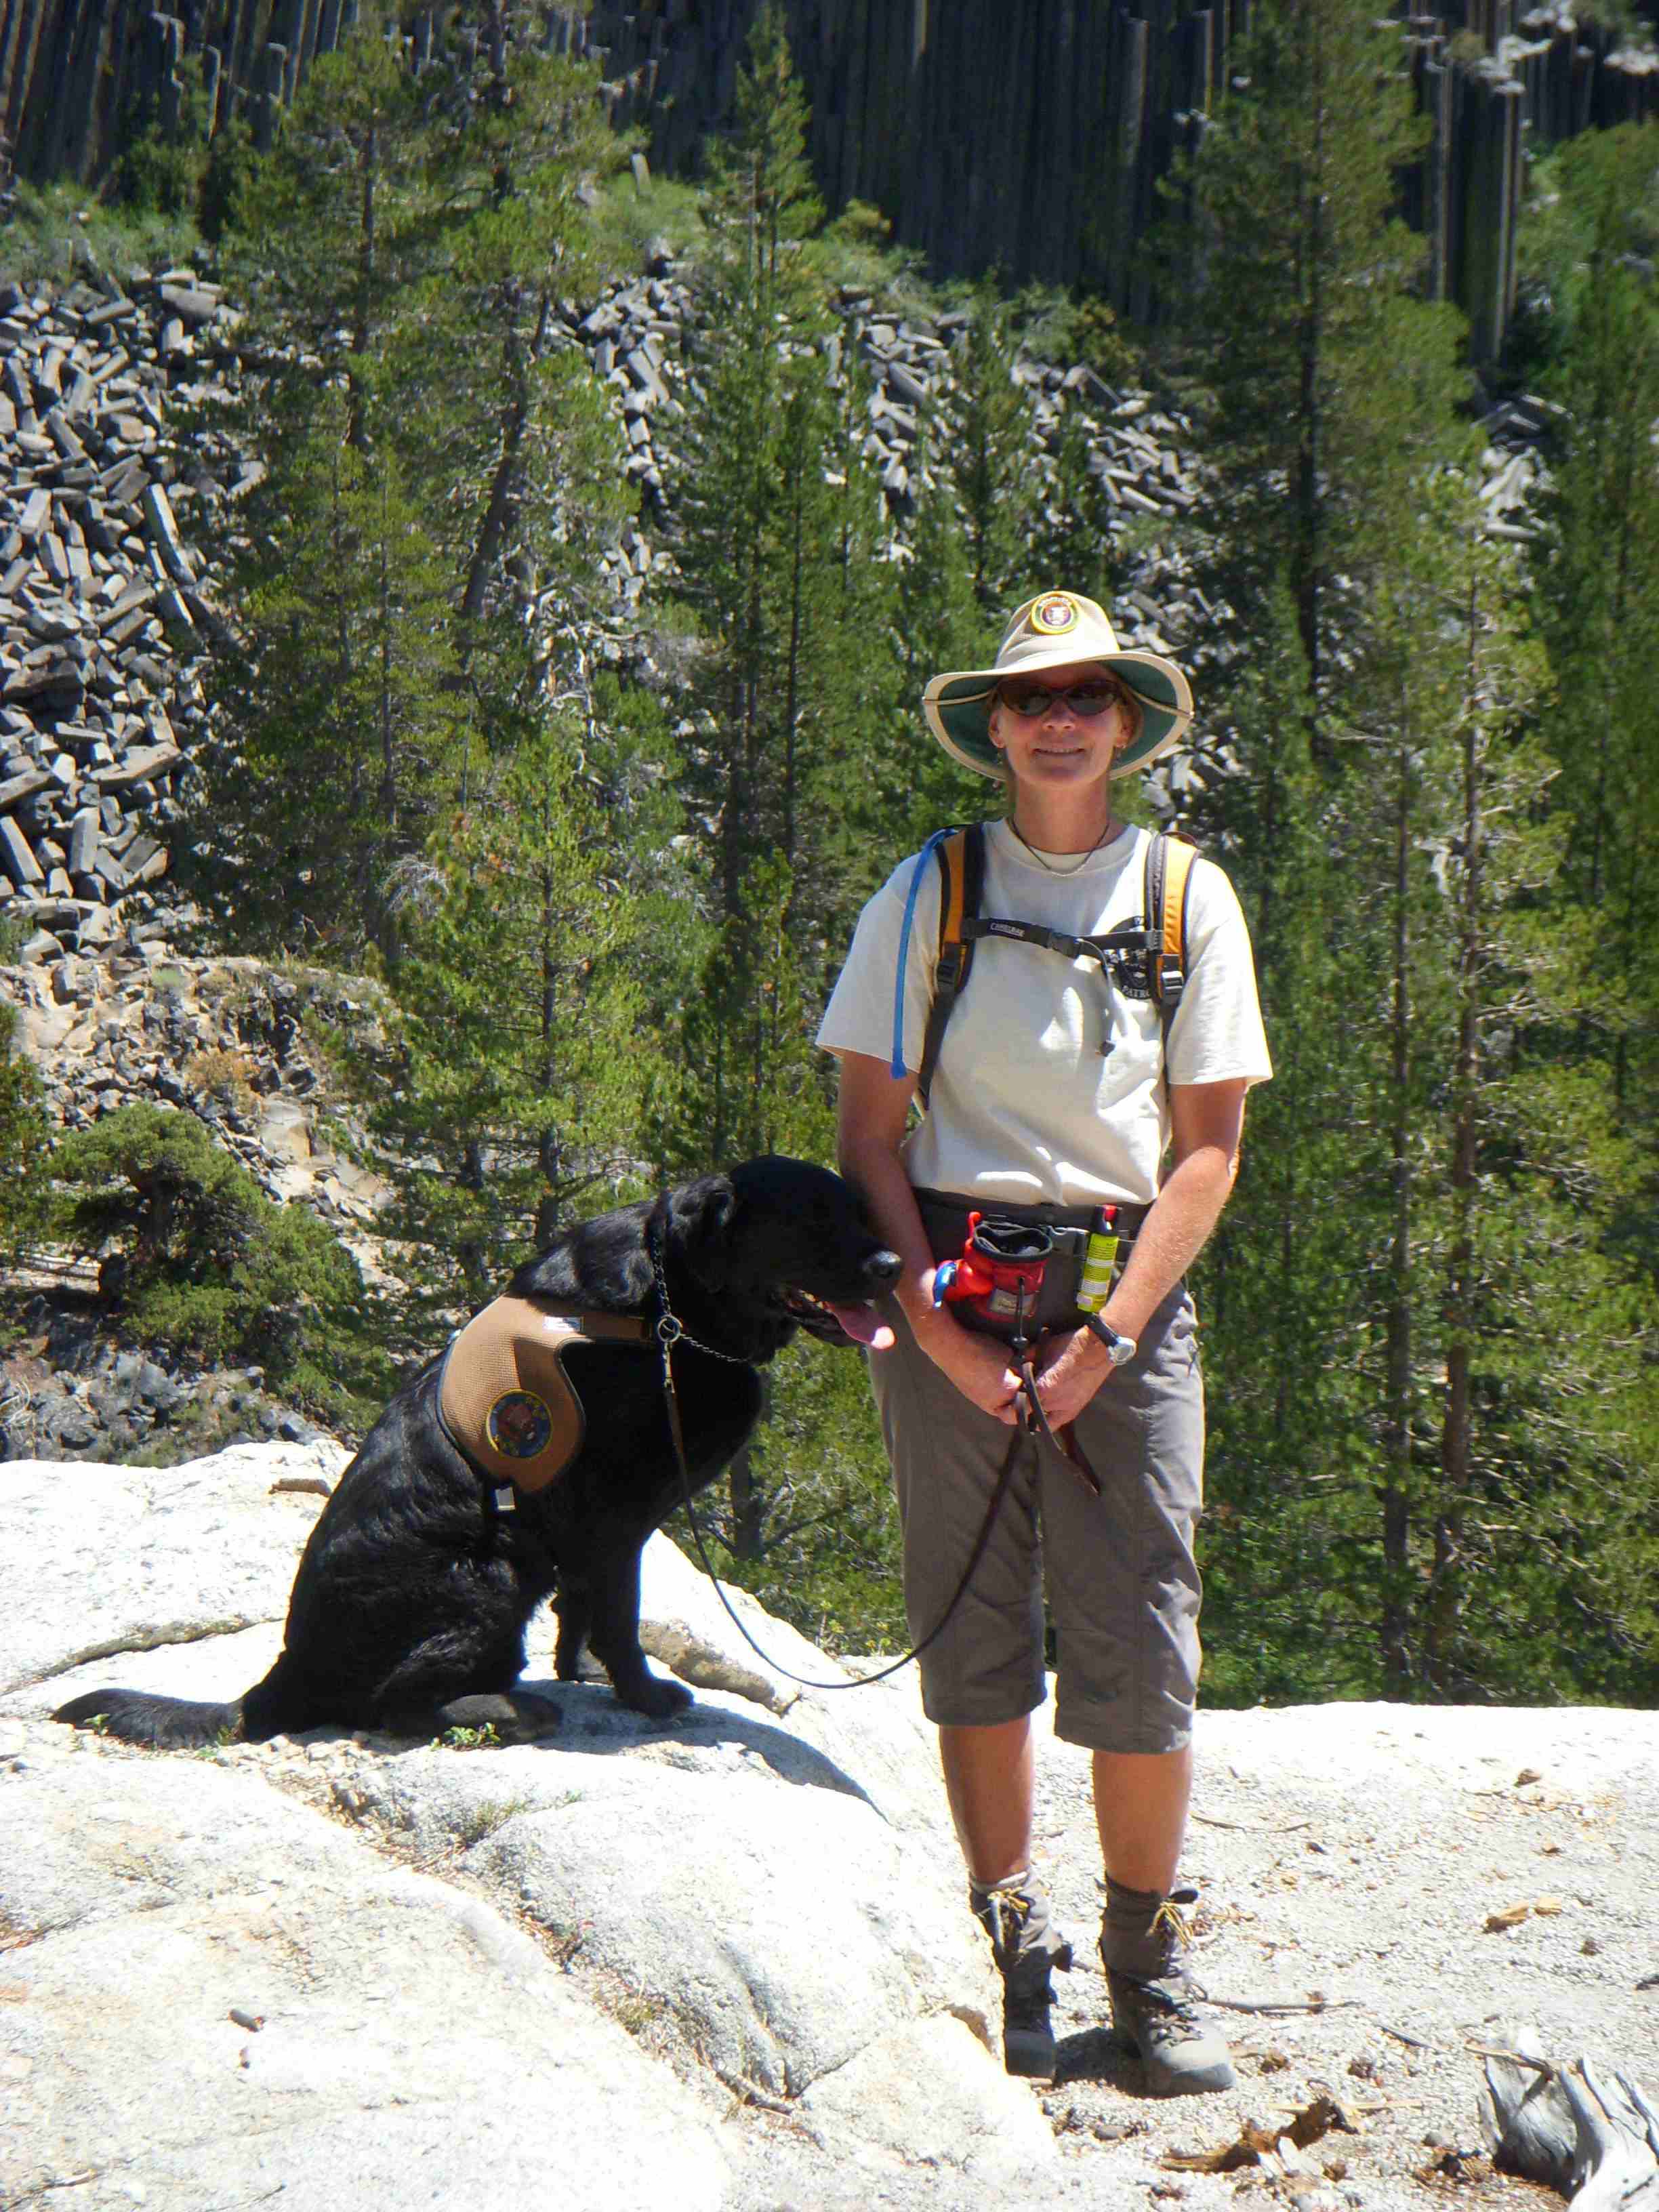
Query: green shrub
x,y
24,1139
57,233
198,1258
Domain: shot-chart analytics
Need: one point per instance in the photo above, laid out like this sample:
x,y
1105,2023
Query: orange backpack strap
x,y
961,859
1168,877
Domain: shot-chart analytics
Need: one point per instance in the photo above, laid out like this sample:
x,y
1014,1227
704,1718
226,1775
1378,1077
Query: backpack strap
x,y
1168,877
961,857
962,868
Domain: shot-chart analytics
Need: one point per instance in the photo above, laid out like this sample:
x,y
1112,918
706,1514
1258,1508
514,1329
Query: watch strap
x,y
1121,1348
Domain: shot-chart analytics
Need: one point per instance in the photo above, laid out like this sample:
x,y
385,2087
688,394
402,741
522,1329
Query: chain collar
x,y
670,1330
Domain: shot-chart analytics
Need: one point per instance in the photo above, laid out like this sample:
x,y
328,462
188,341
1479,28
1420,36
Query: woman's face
x,y
1062,749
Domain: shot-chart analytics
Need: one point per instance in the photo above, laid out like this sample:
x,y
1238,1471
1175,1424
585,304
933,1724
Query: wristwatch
x,y
1120,1349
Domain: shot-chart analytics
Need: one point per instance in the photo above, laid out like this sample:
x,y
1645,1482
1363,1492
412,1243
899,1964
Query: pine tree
x,y
1288,1592
25,1140
762,202
525,1066
332,232
342,692
1481,1454
780,522
933,622
1599,590
1332,383
992,432
510,436
440,462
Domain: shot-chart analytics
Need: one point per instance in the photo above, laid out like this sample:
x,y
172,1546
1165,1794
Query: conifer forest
x,y
577,711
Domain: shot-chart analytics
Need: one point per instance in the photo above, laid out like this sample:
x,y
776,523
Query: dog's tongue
x,y
864,1326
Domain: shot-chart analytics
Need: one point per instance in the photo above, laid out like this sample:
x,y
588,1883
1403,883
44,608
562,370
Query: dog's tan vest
x,y
504,1395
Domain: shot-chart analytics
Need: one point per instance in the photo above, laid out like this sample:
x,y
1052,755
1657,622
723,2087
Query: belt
x,y
1079,1218
944,1217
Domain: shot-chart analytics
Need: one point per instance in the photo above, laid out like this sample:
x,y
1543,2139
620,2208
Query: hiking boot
x,y
1157,2009
1014,1914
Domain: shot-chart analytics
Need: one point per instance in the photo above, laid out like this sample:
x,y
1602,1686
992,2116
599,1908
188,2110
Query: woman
x,y
1056,1094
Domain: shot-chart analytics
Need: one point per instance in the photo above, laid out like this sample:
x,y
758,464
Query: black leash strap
x,y
1031,1410
1068,1447
670,1333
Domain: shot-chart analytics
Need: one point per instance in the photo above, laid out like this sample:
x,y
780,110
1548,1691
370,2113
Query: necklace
x,y
1080,863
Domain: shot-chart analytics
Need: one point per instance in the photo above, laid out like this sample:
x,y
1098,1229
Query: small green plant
x,y
484,1819
638,2011
855,251
630,220
471,1739
224,1075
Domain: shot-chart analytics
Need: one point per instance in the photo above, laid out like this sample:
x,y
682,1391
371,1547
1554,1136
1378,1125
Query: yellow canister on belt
x,y
1098,1262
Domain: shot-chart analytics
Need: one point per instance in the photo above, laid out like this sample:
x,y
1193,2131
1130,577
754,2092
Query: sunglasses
x,y
1093,697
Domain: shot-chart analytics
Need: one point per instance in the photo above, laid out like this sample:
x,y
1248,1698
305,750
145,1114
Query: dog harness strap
x,y
503,1394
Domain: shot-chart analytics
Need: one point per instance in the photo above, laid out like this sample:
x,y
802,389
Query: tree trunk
x,y
368,163
517,366
748,1508
1446,1582
1397,1669
1595,2141
1309,453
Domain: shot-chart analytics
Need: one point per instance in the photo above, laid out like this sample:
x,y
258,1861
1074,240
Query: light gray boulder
x,y
112,1560
636,1921
391,2024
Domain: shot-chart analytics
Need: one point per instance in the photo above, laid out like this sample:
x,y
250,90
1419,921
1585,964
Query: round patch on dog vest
x,y
518,1424
1056,614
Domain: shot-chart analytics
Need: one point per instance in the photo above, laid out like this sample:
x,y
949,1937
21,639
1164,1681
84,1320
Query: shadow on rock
x,y
590,1719
1092,2056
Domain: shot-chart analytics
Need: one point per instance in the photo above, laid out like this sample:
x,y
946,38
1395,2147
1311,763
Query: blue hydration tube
x,y
897,1069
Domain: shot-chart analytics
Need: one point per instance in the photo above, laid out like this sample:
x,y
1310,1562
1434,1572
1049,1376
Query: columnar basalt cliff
x,y
1029,139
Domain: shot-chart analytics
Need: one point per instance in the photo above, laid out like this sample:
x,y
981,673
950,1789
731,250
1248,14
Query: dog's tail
x,y
136,1716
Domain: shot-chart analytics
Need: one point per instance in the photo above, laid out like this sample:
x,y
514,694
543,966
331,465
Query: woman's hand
x,y
978,1365
1069,1371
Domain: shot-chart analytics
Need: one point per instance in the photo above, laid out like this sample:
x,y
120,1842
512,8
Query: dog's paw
x,y
651,1694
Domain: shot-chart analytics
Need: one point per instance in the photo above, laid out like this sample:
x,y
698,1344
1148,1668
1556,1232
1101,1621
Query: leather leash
x,y
1031,1412
669,1331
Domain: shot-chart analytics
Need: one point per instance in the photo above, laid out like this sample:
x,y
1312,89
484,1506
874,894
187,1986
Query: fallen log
x,y
1593,2137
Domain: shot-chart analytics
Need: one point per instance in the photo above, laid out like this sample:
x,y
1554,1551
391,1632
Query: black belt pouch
x,y
944,1217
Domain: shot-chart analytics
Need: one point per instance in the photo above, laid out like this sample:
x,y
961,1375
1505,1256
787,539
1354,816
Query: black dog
x,y
411,1605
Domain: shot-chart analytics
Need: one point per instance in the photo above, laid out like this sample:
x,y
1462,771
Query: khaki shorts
x,y
1122,1583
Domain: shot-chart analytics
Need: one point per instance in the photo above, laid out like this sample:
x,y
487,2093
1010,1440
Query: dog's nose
x,y
884,1267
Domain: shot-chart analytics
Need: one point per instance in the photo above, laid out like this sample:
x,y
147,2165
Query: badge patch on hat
x,y
1055,614
518,1424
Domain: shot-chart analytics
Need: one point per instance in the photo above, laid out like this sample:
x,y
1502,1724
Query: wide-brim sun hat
x,y
1052,631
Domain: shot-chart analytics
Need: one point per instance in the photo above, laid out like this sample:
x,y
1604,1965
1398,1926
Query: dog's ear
x,y
702,1216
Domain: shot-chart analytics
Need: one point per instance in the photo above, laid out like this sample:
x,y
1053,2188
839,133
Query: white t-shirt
x,y
1049,1083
